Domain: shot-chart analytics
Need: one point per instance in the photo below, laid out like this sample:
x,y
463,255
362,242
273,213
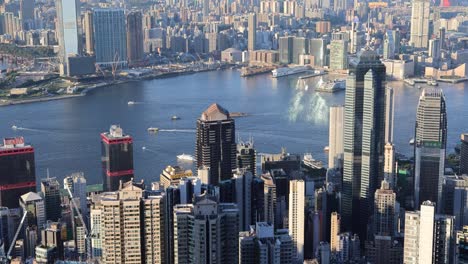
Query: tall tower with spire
x,y
364,139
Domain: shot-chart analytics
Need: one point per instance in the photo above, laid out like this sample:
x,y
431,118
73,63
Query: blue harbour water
x,y
285,112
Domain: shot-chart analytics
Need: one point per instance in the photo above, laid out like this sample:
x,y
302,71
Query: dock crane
x,y
6,259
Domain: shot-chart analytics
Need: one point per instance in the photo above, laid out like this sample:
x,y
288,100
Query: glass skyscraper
x,y
110,36
69,28
364,140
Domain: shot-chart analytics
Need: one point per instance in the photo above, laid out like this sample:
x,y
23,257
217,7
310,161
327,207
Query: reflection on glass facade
x,y
69,27
110,36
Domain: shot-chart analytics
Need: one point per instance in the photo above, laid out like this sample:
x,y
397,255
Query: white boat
x,y
185,157
411,142
332,86
174,117
14,127
131,103
153,129
143,148
285,71
312,163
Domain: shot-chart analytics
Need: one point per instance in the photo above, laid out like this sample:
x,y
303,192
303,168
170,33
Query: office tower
x,y
17,171
116,157
389,165
300,47
348,248
338,55
206,232
261,245
429,237
364,140
172,175
442,38
247,157
252,38
27,13
389,114
134,37
269,192
110,37
434,49
206,8
389,45
76,182
386,210
324,253
296,217
335,138
285,49
334,231
216,146
68,29
34,205
50,189
420,13
384,250
51,238
189,187
429,147
155,229
88,31
318,49
455,199
464,154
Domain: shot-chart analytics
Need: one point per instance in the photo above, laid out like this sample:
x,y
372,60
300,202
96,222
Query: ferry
x,y
131,103
310,162
332,86
186,157
432,82
285,71
153,129
174,117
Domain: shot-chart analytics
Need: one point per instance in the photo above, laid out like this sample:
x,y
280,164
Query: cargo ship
x,y
285,71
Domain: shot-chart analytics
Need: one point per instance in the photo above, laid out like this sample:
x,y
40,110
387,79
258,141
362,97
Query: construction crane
x,y
88,235
7,257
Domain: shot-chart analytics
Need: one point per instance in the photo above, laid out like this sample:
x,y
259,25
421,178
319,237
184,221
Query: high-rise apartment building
x,y
247,157
420,14
261,245
134,37
155,225
429,237
335,137
296,217
386,210
269,198
50,189
252,38
88,32
429,147
364,140
116,158
69,29
27,13
216,146
206,232
334,231
464,154
17,171
110,36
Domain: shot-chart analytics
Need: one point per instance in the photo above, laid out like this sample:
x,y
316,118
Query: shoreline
x,y
91,87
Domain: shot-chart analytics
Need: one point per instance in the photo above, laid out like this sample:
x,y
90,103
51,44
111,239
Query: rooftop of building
x,y
13,142
215,112
115,132
30,196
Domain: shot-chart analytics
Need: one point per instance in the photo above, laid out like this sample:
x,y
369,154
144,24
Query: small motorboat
x,y
153,129
174,117
131,103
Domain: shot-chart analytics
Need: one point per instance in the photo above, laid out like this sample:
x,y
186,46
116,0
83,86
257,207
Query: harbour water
x,y
284,112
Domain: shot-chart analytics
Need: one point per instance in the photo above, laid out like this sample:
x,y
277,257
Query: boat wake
x,y
178,130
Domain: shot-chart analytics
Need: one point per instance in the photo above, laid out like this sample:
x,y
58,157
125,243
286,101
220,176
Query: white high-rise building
x,y
76,182
429,237
420,14
389,164
335,137
68,28
296,218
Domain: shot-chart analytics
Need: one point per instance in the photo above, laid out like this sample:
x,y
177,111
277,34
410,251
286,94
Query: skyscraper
x,y
364,139
88,31
116,157
338,55
50,189
429,237
285,49
110,36
429,147
134,37
335,138
297,204
76,182
420,14
300,47
33,204
216,147
318,49
155,233
69,29
464,154
247,157
27,13
252,38
389,114
206,232
386,210
334,231
17,171
269,198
